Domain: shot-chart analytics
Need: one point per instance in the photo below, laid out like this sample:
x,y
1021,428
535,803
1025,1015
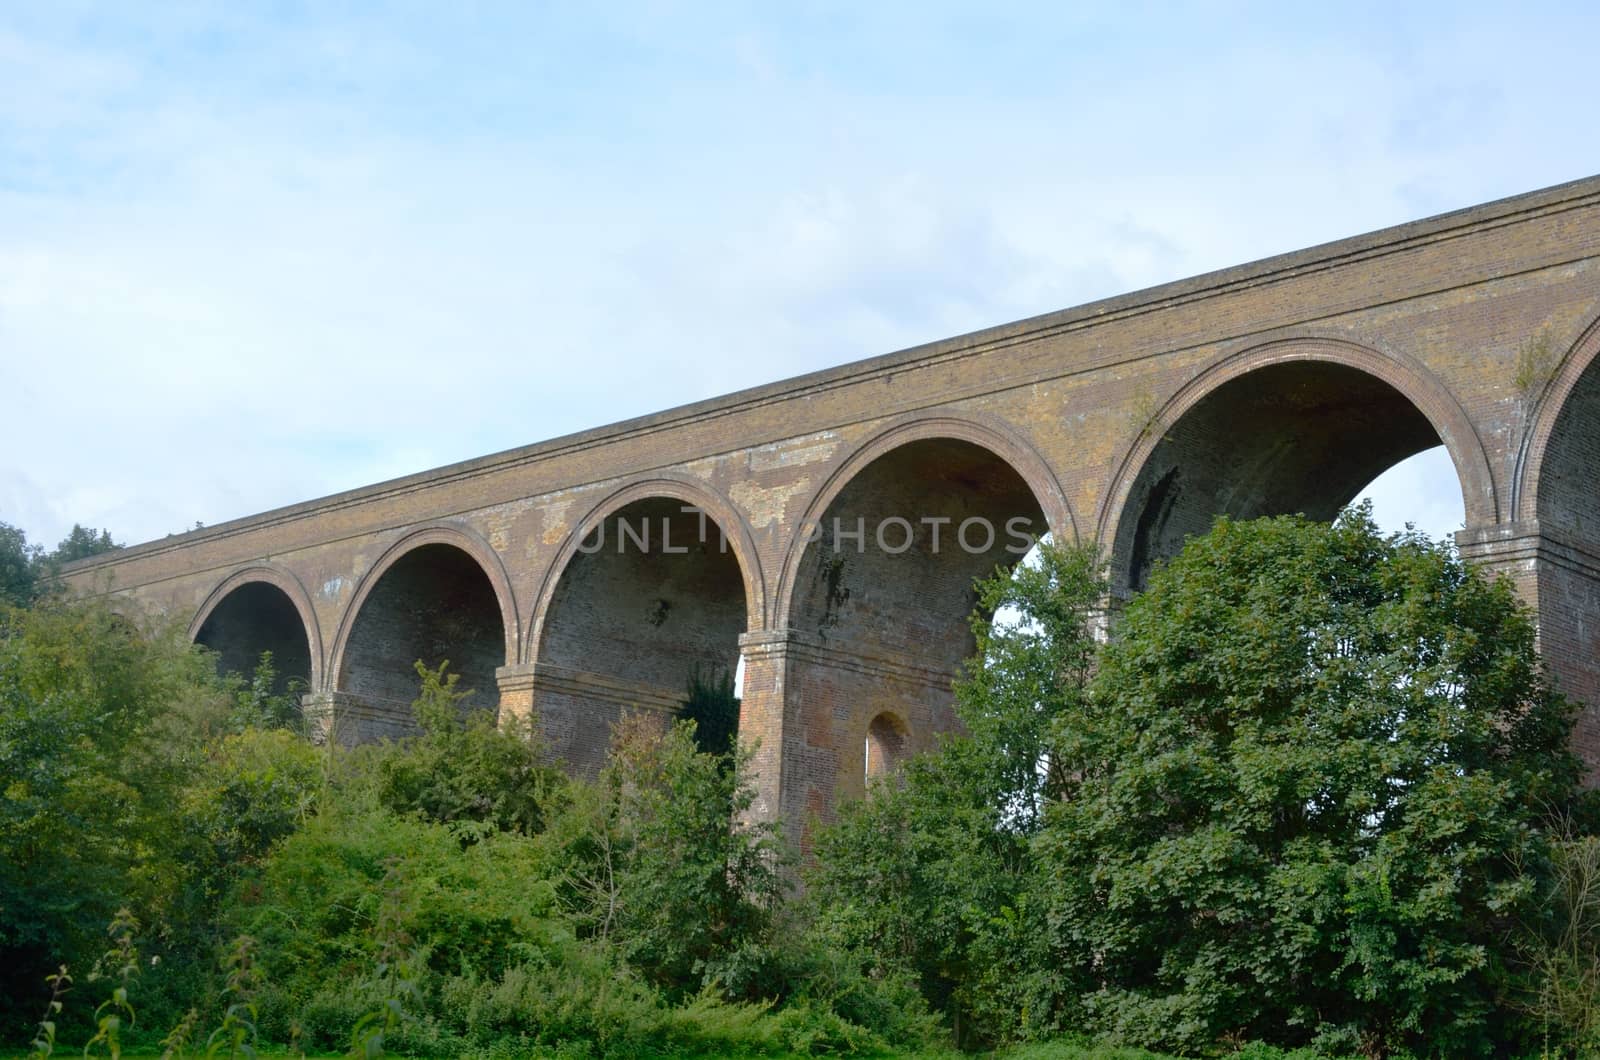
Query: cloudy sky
x,y
248,259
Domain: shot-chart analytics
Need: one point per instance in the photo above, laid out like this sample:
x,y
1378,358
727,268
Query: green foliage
x,y
1305,802
27,571
926,876
81,543
1303,796
120,964
1561,946
253,789
256,702
1300,797
662,867
44,1039
468,774
343,901
19,567
714,709
97,734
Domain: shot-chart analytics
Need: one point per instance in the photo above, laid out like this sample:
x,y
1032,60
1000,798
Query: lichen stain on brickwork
x,y
500,523
554,518
764,507
795,452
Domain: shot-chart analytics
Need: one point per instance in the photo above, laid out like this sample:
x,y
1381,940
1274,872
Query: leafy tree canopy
x,y
82,543
1307,797
1301,795
27,571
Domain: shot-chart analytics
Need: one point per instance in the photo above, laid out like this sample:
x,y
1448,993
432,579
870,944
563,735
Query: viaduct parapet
x,y
1281,386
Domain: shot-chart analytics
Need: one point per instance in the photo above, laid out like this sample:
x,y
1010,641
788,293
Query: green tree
x,y
27,571
81,543
1305,800
99,729
713,708
19,567
928,875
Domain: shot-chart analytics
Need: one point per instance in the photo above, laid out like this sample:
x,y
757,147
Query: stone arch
x,y
1560,448
880,624
259,608
440,592
642,594
1296,425
980,431
683,489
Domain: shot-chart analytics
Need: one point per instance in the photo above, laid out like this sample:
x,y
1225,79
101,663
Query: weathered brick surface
x,y
1278,386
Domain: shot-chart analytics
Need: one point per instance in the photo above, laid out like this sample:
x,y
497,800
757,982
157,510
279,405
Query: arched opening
x,y
433,604
1568,500
653,596
254,618
890,570
885,746
1564,582
884,592
1297,437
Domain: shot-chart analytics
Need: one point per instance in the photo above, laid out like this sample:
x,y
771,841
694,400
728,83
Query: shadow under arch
x,y
1294,425
653,587
439,592
686,491
260,608
874,611
980,431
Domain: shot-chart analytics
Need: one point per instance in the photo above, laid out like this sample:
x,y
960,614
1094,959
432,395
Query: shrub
x,y
660,865
466,773
93,758
1306,799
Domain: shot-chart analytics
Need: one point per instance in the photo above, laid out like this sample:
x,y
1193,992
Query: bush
x,y
1307,798
342,902
99,728
466,773
661,867
1561,946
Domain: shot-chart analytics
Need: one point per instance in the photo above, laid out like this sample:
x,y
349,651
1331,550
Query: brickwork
x,y
1278,386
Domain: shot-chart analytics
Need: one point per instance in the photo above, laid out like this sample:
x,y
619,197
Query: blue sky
x,y
250,255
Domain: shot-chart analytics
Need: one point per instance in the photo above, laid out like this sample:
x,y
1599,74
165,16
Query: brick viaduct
x,y
1281,386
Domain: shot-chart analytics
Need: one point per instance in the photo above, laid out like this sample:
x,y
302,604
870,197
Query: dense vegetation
x,y
1313,791
28,571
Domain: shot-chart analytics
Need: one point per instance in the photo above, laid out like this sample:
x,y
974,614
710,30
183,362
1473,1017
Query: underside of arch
x,y
652,595
1563,580
434,604
254,618
1292,437
897,551
882,597
1567,496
